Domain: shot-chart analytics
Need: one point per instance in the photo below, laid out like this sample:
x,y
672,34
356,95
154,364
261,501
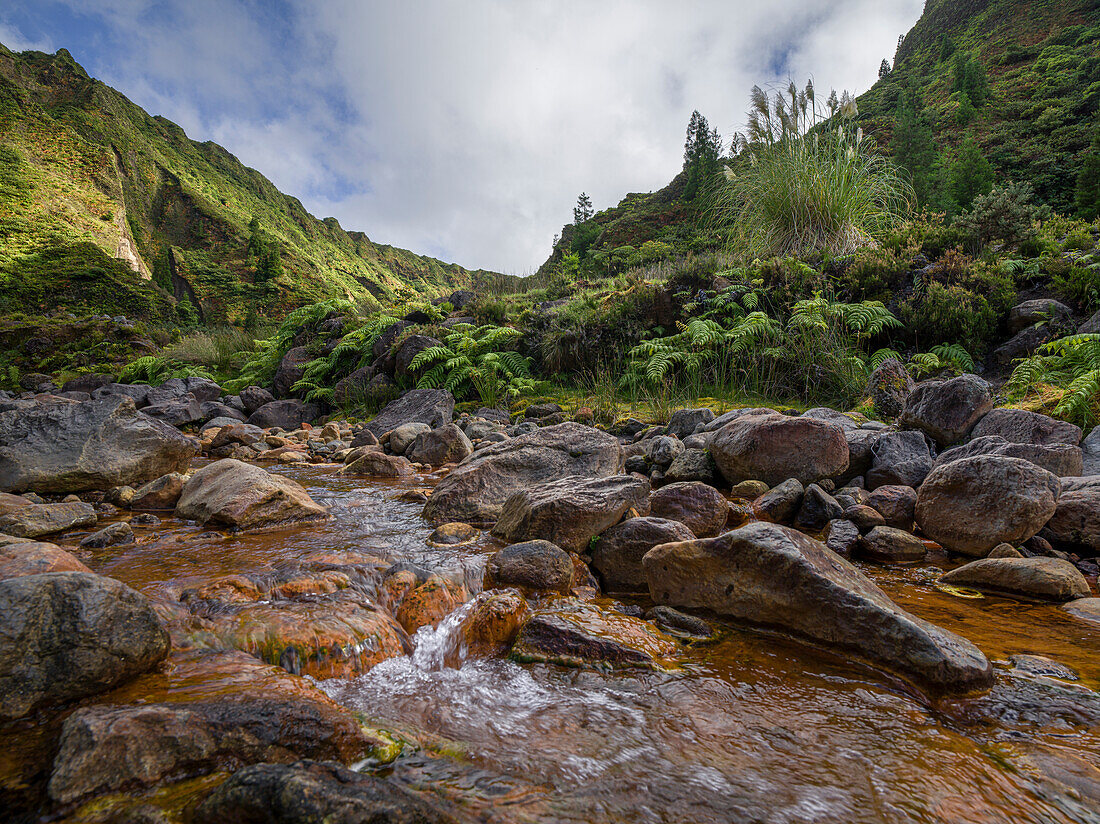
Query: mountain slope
x,y
100,201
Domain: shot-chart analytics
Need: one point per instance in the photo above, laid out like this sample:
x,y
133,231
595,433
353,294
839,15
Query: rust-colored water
x,y
752,729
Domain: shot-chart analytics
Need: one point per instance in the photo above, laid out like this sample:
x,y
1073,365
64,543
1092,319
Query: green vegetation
x,y
1070,367
476,359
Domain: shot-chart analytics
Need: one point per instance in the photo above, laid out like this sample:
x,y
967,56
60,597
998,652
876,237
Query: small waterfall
x,y
435,648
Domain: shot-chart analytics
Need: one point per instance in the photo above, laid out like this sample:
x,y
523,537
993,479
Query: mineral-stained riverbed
x,y
753,728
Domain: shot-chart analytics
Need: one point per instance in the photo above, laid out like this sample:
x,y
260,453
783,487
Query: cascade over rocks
x,y
240,496
571,511
618,552
1060,459
774,576
66,635
946,411
57,448
1048,579
479,487
772,448
973,504
434,407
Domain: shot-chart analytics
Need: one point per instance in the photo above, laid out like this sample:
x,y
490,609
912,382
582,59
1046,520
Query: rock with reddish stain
x,y
33,558
491,626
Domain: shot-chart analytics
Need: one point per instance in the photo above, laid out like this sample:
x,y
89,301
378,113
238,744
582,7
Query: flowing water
x,y
753,728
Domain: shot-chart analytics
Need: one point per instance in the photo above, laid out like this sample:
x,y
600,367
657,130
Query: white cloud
x,y
14,40
466,130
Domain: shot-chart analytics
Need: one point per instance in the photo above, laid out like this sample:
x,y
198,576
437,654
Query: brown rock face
x,y
973,504
240,496
773,447
163,493
1048,579
429,603
36,558
571,511
1076,518
699,507
477,490
773,576
618,553
493,622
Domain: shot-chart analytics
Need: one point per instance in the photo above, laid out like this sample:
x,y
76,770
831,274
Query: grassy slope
x,y
81,167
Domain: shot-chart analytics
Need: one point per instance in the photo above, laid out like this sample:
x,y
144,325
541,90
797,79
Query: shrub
x,y
1078,284
873,274
475,359
949,313
1079,240
1006,214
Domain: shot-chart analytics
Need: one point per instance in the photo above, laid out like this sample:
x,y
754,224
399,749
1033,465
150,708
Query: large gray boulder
x,y
478,487
253,397
57,448
1061,459
1076,518
971,505
946,411
899,459
888,387
434,407
770,447
36,520
1039,310
570,511
407,352
66,635
776,577
1022,426
618,552
290,370
241,496
683,422
447,444
286,414
1090,453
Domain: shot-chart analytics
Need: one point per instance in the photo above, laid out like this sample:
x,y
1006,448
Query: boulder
x,y
1024,343
66,635
309,791
479,487
571,511
817,509
701,508
354,389
163,493
214,411
75,447
290,370
899,459
771,448
844,421
777,577
87,383
388,337
1047,579
453,534
532,565
240,496
971,505
861,454
203,389
138,392
1022,426
380,465
447,444
536,411
896,504
407,351
946,411
1087,609
34,558
37,520
864,517
1076,518
617,555
1040,310
842,537
253,397
693,465
888,387
434,407
177,411
1090,453
664,450
287,414
115,534
1060,459
887,545
684,422
401,438
781,503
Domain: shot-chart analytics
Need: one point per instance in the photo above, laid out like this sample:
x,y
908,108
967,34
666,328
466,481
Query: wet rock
x,y
780,504
842,537
428,603
1059,459
571,511
693,465
664,450
749,490
75,447
447,444
1076,518
254,397
163,493
478,488
887,545
946,411
1087,608
1048,579
864,517
700,507
1043,667
402,437
772,448
453,533
241,496
1022,426
34,558
817,509
583,635
66,635
973,504
308,792
38,520
1030,312
774,576
433,407
684,422
618,552
287,414
533,565
114,534
380,465
1005,551
145,519
491,626
899,459
680,624
888,387
896,504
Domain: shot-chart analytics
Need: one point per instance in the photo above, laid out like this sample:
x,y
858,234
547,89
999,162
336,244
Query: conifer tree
x,y
583,210
913,145
702,148
971,175
1088,183
884,68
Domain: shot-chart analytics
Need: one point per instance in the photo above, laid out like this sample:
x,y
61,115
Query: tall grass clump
x,y
806,184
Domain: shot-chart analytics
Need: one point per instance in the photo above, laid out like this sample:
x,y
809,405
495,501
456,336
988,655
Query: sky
x,y
460,129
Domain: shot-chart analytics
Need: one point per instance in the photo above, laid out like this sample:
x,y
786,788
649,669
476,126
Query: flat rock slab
x,y
1087,609
35,558
1047,579
37,520
773,576
240,496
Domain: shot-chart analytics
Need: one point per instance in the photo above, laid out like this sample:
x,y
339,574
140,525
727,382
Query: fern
x,y
477,360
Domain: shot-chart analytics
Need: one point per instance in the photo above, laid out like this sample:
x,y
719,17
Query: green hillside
x,y
104,208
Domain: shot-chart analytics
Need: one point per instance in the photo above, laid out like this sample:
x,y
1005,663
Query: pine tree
x,y
270,265
971,175
702,148
970,79
1088,183
583,210
884,68
255,237
913,144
